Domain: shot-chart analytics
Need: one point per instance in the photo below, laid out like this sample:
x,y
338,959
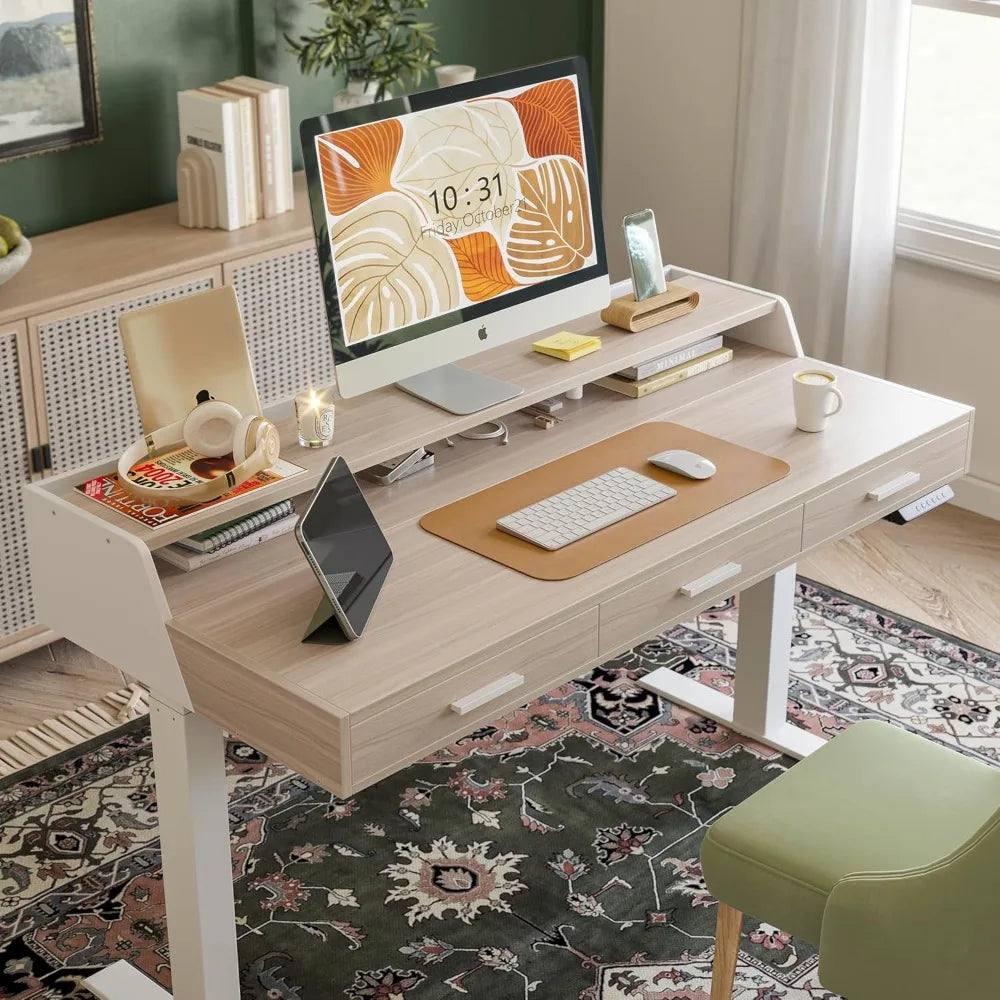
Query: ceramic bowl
x,y
15,260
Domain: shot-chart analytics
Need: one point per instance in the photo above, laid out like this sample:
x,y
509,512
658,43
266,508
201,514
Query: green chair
x,y
883,849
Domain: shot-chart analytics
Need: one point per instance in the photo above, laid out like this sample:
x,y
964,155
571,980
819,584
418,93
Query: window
x,y
950,185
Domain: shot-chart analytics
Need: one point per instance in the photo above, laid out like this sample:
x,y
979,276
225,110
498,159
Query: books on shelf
x,y
244,125
187,560
654,383
212,124
219,537
183,467
274,143
246,131
656,365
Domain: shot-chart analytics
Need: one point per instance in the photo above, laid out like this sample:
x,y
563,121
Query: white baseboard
x,y
978,495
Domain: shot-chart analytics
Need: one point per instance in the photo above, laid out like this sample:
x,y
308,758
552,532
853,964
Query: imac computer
x,y
454,220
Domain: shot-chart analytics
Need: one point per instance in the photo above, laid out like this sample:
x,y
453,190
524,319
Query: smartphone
x,y
643,247
345,547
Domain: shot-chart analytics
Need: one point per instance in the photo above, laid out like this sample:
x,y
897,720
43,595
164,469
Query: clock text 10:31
x,y
449,196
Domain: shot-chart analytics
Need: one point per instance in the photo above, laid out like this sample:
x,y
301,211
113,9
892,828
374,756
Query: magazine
x,y
181,467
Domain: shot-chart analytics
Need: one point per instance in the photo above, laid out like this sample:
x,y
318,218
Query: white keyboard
x,y
581,510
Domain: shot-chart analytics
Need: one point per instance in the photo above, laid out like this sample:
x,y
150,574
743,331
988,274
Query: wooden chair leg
x,y
727,946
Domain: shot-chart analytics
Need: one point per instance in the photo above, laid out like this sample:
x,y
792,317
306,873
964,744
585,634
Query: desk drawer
x,y
696,583
478,695
885,488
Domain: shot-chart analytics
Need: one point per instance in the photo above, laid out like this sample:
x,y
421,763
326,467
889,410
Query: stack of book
x,y
243,124
658,373
233,536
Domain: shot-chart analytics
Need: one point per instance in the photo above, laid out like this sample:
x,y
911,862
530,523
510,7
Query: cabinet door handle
x,y
896,485
487,693
718,575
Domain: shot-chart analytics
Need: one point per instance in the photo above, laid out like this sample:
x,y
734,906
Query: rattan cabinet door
x,y
88,411
284,314
17,438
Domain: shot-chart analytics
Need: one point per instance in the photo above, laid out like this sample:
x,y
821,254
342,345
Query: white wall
x,y
945,338
671,79
670,106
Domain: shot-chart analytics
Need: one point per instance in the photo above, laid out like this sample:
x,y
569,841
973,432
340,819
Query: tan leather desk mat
x,y
471,522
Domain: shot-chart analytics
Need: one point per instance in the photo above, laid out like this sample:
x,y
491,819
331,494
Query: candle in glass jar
x,y
314,418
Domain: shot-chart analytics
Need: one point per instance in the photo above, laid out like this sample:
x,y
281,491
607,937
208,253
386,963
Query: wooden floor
x,y
50,681
943,570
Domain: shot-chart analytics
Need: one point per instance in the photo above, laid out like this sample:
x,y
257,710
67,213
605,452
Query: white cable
x,y
499,431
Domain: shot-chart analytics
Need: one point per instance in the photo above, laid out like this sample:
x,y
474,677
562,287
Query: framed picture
x,y
48,85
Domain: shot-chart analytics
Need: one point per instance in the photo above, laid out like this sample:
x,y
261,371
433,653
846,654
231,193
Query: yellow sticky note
x,y
566,345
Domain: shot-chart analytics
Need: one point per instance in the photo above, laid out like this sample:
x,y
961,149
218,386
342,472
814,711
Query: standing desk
x,y
220,647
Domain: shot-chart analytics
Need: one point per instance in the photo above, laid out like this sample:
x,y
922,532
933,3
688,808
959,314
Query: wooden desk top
x,y
237,624
361,435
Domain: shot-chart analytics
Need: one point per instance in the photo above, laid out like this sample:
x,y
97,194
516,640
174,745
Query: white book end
x,y
197,202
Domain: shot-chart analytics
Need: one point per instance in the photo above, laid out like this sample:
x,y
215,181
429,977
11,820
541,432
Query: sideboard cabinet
x,y
66,398
20,462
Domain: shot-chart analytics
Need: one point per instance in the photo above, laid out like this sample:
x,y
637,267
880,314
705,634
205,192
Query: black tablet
x,y
345,547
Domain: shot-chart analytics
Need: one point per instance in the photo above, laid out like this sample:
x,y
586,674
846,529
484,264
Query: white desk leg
x,y
193,812
760,693
121,981
759,707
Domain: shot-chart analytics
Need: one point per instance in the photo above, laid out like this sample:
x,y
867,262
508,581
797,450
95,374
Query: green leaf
x,y
381,40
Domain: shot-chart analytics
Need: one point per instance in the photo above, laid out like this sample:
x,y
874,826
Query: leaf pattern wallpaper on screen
x,y
455,205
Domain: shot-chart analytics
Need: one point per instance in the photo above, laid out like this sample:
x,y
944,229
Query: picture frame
x,y
48,77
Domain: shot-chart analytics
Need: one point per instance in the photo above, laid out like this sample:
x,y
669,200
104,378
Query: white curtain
x,y
818,148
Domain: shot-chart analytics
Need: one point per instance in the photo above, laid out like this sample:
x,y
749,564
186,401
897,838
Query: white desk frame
x,y
75,553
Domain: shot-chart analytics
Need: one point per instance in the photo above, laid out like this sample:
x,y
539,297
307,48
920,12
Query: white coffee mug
x,y
448,76
813,391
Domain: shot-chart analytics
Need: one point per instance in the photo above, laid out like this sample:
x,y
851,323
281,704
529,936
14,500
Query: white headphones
x,y
212,429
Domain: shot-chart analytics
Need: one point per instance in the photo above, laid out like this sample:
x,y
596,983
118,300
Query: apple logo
x,y
482,332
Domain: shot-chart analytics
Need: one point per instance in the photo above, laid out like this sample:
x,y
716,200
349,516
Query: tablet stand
x,y
324,629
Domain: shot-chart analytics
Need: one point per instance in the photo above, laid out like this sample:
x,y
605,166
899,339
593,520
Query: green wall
x,y
492,35
147,50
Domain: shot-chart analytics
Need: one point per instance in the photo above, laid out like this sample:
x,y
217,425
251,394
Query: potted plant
x,y
376,44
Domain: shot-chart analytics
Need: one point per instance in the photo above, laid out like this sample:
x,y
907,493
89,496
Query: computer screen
x,y
454,205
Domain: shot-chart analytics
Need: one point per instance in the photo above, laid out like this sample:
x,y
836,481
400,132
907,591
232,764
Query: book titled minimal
x,y
629,387
656,365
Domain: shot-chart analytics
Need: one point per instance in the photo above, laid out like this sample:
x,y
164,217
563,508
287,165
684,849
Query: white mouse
x,y
685,463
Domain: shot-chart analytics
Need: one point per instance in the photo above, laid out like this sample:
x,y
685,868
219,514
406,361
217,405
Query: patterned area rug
x,y
552,854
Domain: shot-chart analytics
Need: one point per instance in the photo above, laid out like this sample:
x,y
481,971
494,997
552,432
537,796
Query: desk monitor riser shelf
x,y
220,648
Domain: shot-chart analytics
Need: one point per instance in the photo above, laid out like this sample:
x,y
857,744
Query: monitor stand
x,y
458,390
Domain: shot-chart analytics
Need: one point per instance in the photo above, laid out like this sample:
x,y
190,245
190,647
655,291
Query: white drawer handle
x,y
896,485
725,572
487,693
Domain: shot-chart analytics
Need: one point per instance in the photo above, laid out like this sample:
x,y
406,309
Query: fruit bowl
x,y
15,260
